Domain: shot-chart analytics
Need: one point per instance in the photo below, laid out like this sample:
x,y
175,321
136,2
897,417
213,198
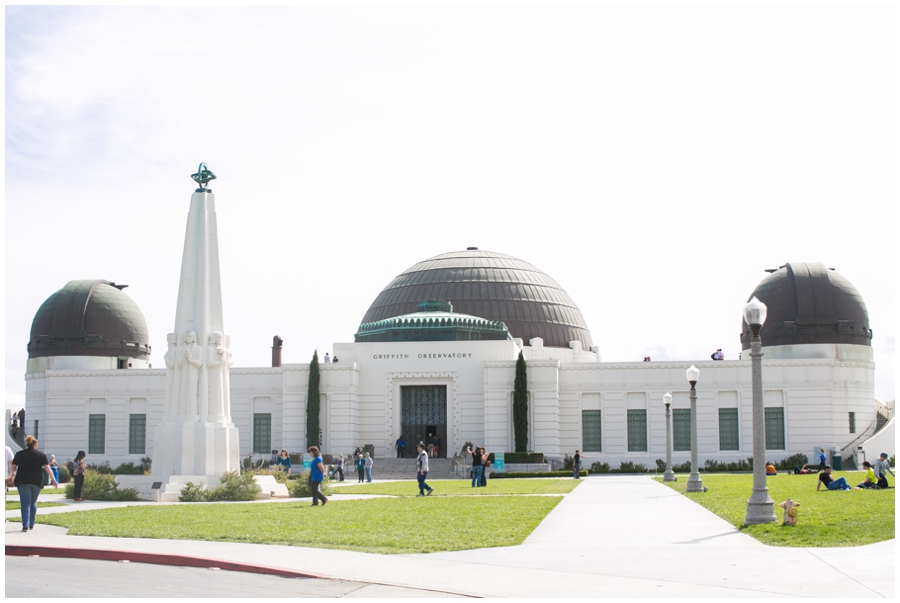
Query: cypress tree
x,y
520,406
312,403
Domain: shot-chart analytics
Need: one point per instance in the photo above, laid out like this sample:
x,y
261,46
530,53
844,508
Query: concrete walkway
x,y
613,536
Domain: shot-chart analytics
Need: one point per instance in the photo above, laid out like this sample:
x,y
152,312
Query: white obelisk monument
x,y
196,440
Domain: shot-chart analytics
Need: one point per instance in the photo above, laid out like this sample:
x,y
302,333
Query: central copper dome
x,y
489,285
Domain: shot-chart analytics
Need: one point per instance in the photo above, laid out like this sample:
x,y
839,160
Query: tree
x,y
520,406
312,403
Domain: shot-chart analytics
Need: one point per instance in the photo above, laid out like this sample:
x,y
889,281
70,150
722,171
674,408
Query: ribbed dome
x,y
89,318
489,285
808,303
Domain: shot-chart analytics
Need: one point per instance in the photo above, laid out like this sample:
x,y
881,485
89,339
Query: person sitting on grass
x,y
770,469
869,482
831,483
882,468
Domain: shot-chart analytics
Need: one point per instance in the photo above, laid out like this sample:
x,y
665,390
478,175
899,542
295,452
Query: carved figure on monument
x,y
226,382
190,359
171,359
218,361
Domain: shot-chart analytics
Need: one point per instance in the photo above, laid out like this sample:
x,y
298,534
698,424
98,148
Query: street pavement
x,y
613,536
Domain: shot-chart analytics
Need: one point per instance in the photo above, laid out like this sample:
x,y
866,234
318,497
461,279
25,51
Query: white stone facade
x,y
361,400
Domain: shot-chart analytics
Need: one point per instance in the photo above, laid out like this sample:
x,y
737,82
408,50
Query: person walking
x,y
368,463
576,464
360,468
78,467
422,470
316,475
340,467
28,468
821,459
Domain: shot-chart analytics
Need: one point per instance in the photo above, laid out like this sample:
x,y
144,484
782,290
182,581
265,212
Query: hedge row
x,y
513,474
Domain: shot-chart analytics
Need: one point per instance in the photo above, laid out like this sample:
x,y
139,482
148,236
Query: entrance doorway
x,y
423,411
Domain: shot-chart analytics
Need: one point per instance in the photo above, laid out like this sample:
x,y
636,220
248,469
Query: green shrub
x,y
129,469
280,475
629,467
684,467
101,486
64,475
513,474
233,486
103,469
519,457
299,487
795,460
568,462
598,467
714,466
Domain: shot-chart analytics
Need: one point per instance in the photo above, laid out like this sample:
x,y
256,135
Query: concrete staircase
x,y
387,468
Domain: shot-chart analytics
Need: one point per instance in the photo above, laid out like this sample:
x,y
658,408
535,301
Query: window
x,y
774,429
681,426
852,422
137,434
637,430
96,434
36,425
729,438
262,432
590,431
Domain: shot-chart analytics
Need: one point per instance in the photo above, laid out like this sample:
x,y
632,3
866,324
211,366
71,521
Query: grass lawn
x,y
383,525
458,487
15,506
827,518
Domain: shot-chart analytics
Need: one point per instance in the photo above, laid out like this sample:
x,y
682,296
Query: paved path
x,y
613,536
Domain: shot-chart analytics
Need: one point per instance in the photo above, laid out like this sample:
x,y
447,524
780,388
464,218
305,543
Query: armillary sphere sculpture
x,y
203,176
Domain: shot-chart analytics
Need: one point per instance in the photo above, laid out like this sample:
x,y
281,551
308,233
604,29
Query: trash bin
x,y
55,471
837,462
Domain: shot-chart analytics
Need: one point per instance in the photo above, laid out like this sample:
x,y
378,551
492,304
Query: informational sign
x,y
499,462
307,461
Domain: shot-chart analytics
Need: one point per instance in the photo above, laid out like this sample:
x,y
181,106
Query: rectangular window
x,y
590,431
96,434
681,428
36,425
774,429
637,430
852,422
729,438
262,432
137,434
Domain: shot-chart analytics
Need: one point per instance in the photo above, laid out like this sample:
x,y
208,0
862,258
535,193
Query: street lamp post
x,y
669,475
694,484
760,507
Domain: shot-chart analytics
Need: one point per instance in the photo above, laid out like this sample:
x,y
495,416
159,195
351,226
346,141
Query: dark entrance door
x,y
423,410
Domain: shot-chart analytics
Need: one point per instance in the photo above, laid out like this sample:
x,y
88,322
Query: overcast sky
x,y
653,161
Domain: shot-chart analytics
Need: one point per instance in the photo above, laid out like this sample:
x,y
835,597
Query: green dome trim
x,y
434,321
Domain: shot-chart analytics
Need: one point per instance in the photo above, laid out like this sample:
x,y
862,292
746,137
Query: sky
x,y
653,160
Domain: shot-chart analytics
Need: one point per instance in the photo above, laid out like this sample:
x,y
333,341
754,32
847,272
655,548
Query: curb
x,y
19,550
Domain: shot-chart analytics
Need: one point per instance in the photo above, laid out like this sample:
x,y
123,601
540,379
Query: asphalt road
x,y
48,577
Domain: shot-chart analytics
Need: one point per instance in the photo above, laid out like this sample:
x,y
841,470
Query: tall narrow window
x,y
681,427
36,425
637,430
728,429
262,432
774,428
137,434
590,431
96,434
852,422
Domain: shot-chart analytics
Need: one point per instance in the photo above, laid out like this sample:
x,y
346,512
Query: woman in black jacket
x,y
28,468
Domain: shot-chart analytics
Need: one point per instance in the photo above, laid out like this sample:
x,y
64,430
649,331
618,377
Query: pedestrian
x,y
437,445
360,468
422,470
821,459
284,461
576,464
831,483
485,465
400,444
429,444
369,462
27,470
882,468
78,468
340,467
477,466
316,475
327,358
54,467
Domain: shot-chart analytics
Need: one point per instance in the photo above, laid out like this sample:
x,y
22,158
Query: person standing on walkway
x,y
477,466
28,469
316,475
78,467
340,467
882,468
422,470
360,468
368,463
576,464
400,445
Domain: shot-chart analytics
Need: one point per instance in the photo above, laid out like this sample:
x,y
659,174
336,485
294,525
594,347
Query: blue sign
x,y
307,461
499,462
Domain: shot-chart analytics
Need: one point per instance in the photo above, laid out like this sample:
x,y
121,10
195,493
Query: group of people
x,y
875,477
330,360
718,355
364,463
